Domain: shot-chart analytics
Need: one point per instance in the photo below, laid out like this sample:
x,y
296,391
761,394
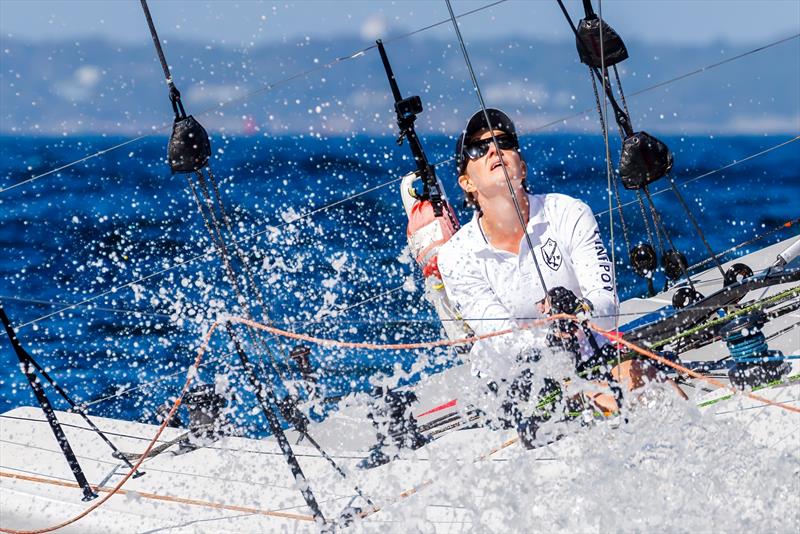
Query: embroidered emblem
x,y
551,254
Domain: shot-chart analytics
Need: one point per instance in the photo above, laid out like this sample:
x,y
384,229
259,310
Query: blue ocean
x,y
109,273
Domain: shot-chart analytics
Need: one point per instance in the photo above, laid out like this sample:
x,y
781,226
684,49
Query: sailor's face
x,y
484,176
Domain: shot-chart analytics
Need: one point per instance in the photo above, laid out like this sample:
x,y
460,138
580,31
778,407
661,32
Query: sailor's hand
x,y
562,300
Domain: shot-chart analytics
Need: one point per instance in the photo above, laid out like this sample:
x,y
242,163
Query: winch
x,y
754,363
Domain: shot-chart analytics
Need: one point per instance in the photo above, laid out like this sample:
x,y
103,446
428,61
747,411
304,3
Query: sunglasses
x,y
478,149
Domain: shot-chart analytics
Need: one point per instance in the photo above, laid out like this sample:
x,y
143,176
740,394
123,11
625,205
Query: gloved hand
x,y
562,300
562,331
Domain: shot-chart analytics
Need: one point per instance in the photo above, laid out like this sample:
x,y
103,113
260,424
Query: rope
x,y
730,316
659,222
425,483
612,336
215,232
615,338
152,496
193,370
430,320
711,254
204,346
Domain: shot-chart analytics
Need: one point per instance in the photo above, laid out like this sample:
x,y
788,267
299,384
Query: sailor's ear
x,y
466,183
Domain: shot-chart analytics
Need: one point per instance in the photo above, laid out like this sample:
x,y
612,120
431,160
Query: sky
x,y
251,22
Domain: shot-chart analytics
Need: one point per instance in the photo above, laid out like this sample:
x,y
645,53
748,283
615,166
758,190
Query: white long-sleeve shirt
x,y
494,289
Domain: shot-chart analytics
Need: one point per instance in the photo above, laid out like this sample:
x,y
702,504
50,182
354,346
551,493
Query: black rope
x,y
623,120
215,232
712,256
621,92
603,127
267,400
174,94
660,223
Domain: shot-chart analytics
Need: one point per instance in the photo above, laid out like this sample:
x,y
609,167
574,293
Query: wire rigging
x,y
517,208
302,216
359,53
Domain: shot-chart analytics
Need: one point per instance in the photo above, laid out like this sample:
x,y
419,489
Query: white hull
x,y
599,479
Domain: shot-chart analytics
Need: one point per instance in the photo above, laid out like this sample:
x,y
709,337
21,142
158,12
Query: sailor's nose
x,y
492,149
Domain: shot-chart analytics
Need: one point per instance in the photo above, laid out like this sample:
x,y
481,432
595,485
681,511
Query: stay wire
x,y
672,80
359,53
266,88
711,254
338,202
610,178
311,213
404,320
514,198
719,169
209,253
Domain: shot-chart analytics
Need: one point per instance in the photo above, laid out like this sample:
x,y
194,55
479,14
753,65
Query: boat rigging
x,y
741,328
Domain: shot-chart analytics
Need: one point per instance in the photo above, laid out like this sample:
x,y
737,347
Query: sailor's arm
x,y
592,266
472,295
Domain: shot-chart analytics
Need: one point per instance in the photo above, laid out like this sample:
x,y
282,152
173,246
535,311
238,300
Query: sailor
x,y
488,272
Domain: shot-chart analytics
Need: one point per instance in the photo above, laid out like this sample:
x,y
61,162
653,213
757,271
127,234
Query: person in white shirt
x,y
487,268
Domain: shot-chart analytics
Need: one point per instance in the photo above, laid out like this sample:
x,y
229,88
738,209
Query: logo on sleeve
x,y
551,254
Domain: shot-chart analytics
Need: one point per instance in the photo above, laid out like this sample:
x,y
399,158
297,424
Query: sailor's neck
x,y
500,222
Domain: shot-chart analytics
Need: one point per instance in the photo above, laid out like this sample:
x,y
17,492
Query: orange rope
x,y
644,352
167,498
388,346
190,376
424,484
374,346
612,336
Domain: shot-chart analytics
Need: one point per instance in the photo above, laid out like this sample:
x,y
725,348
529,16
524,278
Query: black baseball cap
x,y
499,121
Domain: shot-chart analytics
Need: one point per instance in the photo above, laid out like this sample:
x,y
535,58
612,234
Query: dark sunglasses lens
x,y
507,142
479,149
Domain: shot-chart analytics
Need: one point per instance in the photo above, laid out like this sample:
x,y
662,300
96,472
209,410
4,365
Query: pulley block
x,y
644,159
189,147
205,410
685,296
300,355
589,41
643,260
737,273
674,264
